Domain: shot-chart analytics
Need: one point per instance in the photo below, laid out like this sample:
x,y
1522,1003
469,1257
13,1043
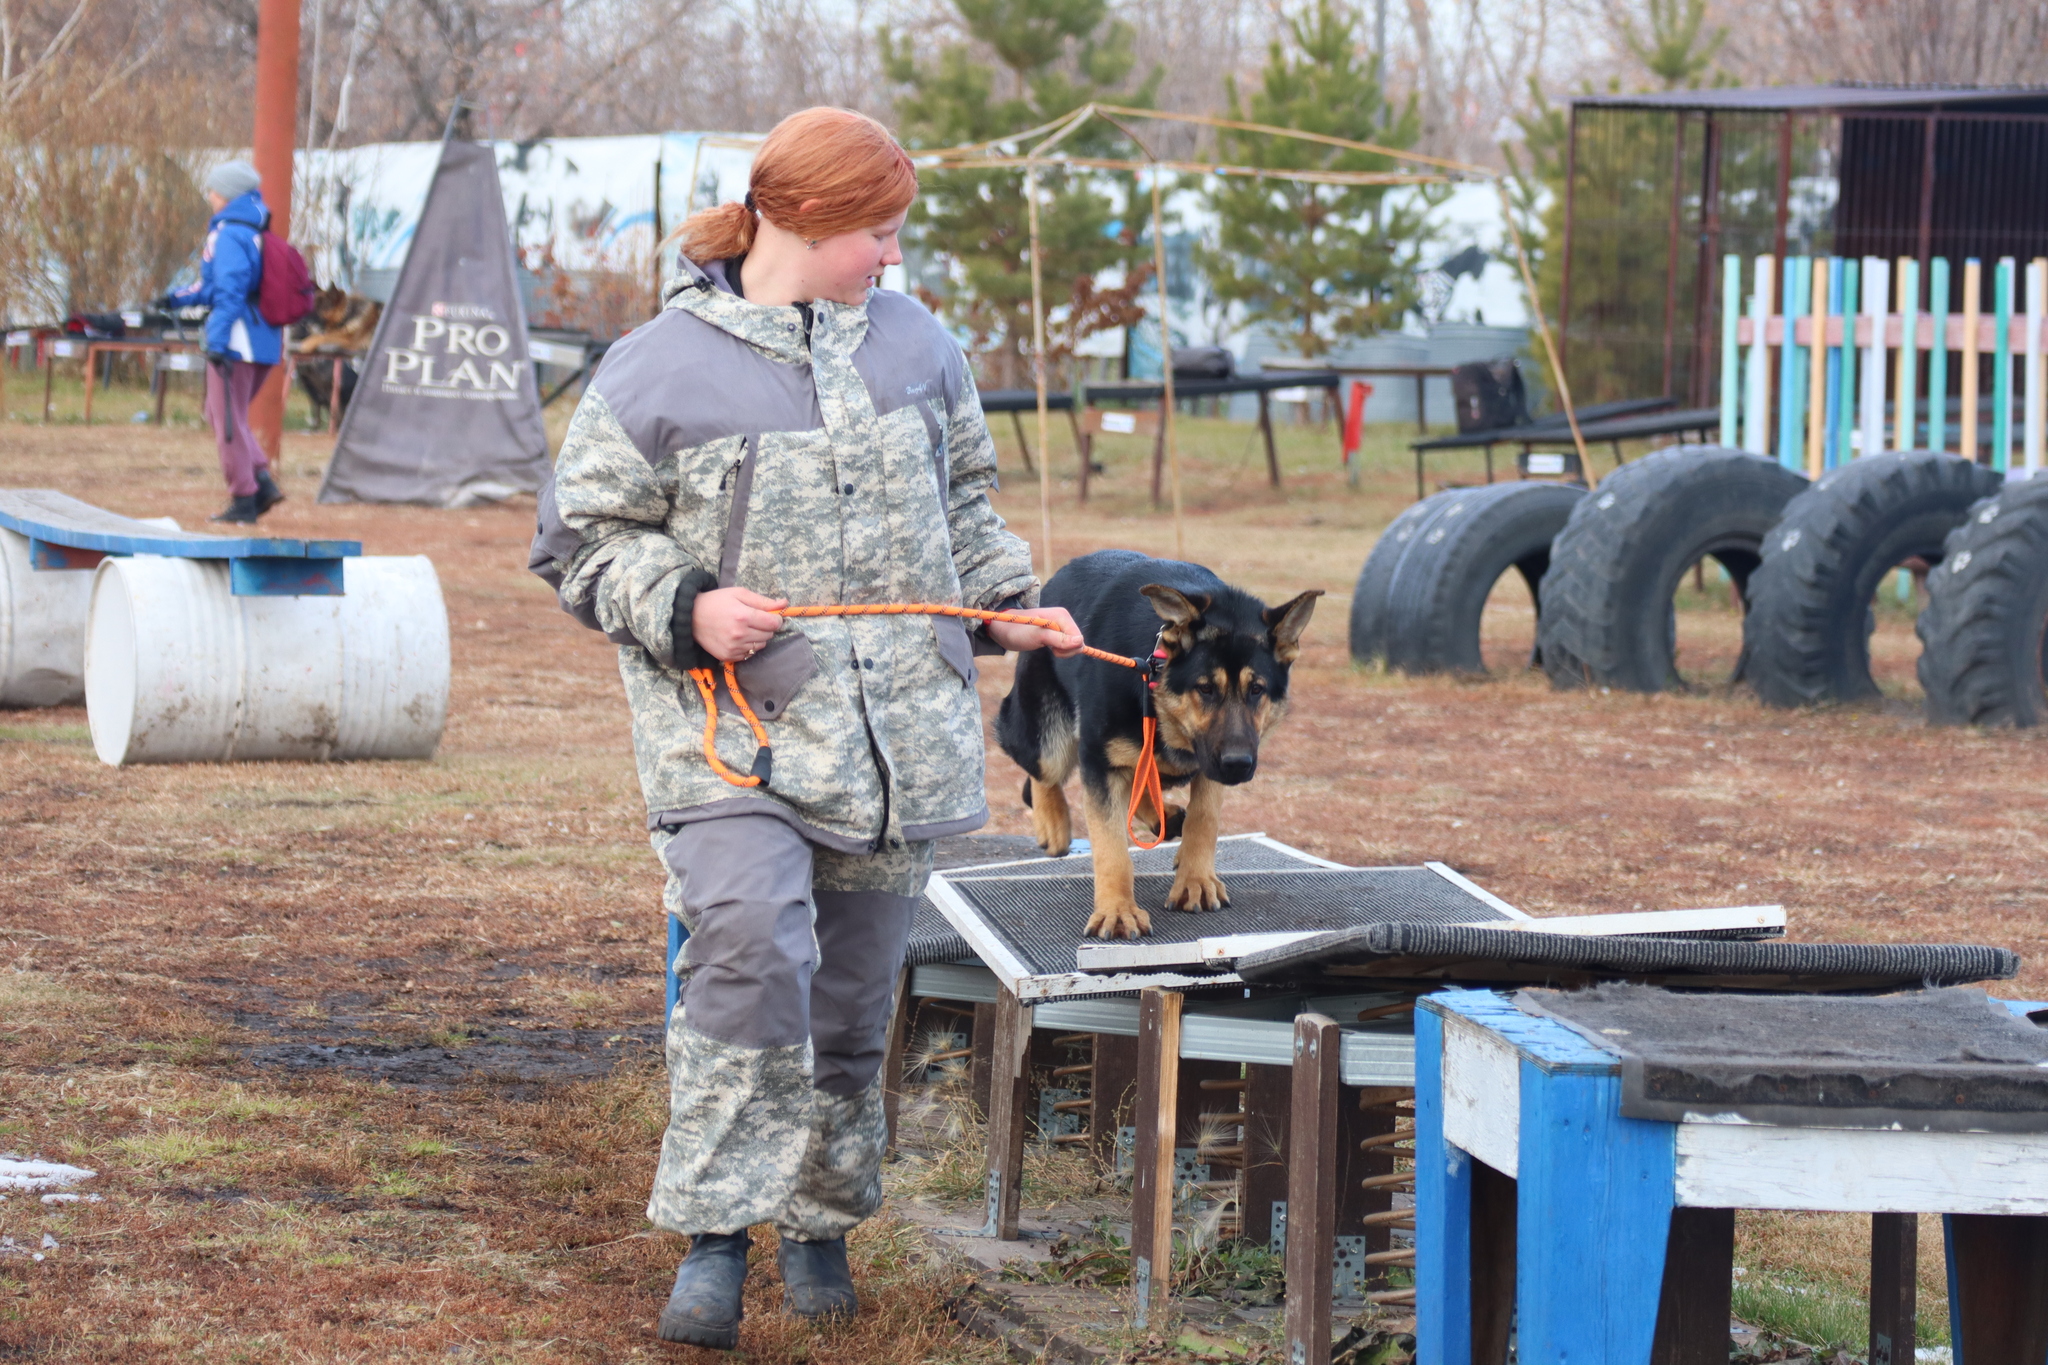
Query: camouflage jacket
x,y
828,453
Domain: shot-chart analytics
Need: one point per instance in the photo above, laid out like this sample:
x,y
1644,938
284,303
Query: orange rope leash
x,y
1144,783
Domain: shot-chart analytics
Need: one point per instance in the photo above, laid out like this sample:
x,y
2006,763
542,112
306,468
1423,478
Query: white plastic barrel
x,y
42,629
179,670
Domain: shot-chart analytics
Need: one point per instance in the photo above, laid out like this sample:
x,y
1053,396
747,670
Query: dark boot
x,y
241,509
704,1307
268,494
815,1280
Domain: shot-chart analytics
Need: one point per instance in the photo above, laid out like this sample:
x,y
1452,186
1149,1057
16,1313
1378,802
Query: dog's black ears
x,y
1287,621
1179,611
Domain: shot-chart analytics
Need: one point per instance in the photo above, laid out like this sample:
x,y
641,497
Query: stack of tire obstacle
x,y
1806,560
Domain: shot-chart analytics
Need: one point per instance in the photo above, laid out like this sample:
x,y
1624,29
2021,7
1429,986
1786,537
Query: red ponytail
x,y
821,172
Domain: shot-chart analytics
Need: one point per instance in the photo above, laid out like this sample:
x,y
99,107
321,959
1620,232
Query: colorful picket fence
x,y
1830,358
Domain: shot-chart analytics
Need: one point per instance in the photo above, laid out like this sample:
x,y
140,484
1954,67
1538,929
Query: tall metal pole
x,y
277,118
1038,377
1180,550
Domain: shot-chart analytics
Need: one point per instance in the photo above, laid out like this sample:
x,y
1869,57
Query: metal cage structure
x,y
1662,187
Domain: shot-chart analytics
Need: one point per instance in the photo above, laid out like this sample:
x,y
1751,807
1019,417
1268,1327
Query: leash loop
x,y
1145,780
707,687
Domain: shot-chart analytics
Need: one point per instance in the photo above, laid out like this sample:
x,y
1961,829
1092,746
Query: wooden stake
x,y
1166,368
1155,1115
1312,1168
1038,378
1564,388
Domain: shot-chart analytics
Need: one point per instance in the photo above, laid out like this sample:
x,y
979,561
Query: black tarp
x,y
447,411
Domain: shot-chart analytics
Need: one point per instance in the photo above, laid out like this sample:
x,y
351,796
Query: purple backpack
x,y
285,292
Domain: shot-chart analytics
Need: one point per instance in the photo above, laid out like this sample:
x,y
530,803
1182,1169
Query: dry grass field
x,y
364,1055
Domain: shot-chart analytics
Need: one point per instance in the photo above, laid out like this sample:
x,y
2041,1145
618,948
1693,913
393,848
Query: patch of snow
x,y
29,1176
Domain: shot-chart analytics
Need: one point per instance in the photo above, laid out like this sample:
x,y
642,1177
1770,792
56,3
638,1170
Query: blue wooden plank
x,y
1545,1042
1593,1211
63,520
43,555
1443,1210
284,576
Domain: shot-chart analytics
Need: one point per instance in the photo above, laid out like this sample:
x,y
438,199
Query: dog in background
x,y
1224,685
341,323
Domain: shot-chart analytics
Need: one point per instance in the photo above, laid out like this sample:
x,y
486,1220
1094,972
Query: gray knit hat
x,y
233,179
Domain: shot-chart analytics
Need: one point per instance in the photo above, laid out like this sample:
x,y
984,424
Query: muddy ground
x,y
364,1055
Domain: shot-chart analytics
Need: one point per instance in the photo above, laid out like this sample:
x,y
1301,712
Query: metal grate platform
x,y
1024,920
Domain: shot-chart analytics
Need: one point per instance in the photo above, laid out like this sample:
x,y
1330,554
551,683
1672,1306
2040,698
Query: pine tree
x,y
1056,56
1315,262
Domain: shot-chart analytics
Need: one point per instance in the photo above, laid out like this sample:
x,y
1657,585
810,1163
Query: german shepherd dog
x,y
340,323
1223,686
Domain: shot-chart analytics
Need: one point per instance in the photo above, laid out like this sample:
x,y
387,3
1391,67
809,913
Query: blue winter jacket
x,y
231,268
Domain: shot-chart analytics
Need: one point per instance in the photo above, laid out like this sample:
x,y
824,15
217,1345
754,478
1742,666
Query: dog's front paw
x,y
1118,921
1197,891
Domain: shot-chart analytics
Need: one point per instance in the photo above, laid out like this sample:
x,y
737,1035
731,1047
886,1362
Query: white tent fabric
x,y
581,203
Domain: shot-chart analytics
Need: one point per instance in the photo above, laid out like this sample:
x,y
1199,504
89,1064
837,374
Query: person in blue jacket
x,y
241,347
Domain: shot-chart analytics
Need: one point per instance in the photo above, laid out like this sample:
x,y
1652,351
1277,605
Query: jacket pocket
x,y
773,677
954,646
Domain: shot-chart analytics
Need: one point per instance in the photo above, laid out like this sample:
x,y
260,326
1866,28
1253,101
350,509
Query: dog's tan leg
x,y
1052,823
1195,883
1117,914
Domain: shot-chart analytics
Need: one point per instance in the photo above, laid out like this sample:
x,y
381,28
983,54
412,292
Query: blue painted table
x,y
64,533
1606,1240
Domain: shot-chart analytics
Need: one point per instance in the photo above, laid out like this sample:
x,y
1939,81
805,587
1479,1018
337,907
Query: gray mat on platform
x,y
1434,952
1933,1060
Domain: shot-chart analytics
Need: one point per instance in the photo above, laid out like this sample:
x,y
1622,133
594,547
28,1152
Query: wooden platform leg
x,y
1268,1101
1593,1194
981,1052
1493,1263
1266,430
1699,1279
893,1053
1009,1082
1894,1261
1312,1168
1023,446
1111,1093
1444,1179
1155,1115
1997,1288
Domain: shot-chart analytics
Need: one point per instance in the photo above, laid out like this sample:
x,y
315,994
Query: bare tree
x,y
1937,42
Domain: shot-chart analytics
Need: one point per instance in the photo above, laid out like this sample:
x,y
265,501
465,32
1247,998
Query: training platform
x,y
1580,1156
64,533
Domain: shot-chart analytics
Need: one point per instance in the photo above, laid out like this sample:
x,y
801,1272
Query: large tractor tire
x,y
1806,638
1607,618
1423,590
1986,622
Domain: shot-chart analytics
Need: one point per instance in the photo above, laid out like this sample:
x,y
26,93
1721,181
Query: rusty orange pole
x,y
277,123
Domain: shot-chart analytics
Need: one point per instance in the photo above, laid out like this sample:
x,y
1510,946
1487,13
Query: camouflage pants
x,y
775,1049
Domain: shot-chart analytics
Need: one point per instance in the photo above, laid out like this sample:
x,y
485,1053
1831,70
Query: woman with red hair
x,y
786,432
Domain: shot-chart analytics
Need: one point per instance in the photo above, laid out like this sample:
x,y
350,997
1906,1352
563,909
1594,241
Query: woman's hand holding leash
x,y
733,623
1013,635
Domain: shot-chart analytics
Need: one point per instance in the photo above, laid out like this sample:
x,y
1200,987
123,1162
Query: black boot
x,y
704,1307
243,509
815,1280
268,494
